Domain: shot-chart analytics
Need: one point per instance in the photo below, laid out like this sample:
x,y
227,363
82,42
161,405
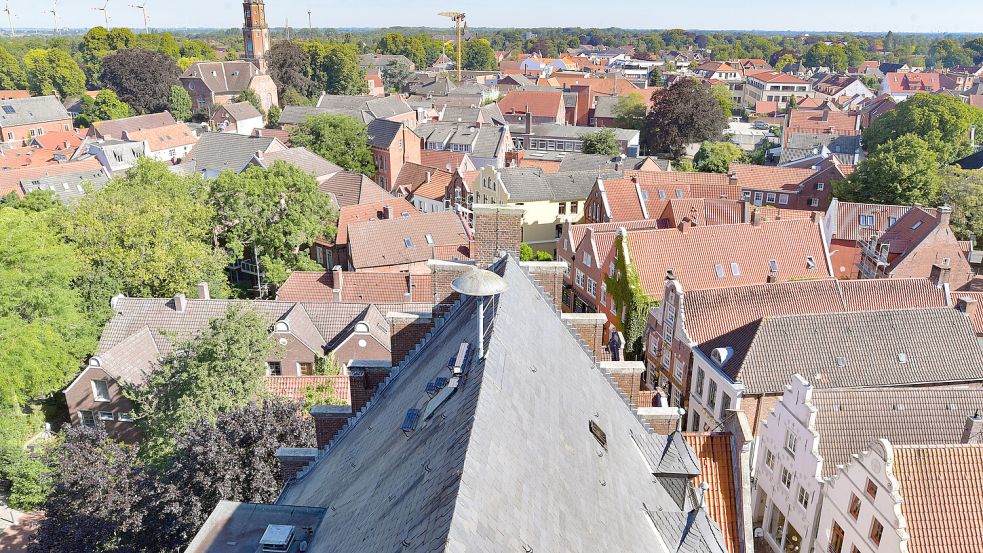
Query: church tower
x,y
256,33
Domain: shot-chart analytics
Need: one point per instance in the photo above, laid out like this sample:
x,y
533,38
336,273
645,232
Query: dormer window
x,y
810,262
773,265
281,326
916,225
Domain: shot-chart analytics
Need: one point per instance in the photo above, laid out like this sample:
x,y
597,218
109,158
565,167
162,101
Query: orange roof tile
x,y
978,315
10,179
770,178
441,159
293,387
713,453
164,138
14,158
541,103
941,486
359,288
370,212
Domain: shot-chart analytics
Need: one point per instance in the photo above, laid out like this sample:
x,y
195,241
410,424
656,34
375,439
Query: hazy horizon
x,y
873,16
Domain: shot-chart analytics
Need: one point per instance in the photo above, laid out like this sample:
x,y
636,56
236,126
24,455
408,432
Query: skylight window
x,y
408,242
662,194
735,269
645,196
841,362
810,262
773,265
720,270
430,239
916,225
679,193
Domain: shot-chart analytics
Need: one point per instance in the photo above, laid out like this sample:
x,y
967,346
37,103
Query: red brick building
x,y
22,119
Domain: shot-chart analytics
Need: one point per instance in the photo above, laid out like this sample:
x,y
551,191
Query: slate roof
x,y
941,487
486,141
535,185
375,288
846,149
303,159
31,111
914,346
349,189
471,477
116,127
68,187
576,161
219,152
571,131
848,421
383,243
382,132
240,111
605,107
363,108
973,161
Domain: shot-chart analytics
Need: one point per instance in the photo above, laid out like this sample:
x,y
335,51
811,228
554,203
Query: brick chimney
x,y
973,432
549,276
338,281
292,459
180,303
496,229
203,293
944,215
772,278
968,306
590,328
328,420
359,389
387,212
755,218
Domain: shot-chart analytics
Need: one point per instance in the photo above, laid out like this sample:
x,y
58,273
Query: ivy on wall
x,y
630,301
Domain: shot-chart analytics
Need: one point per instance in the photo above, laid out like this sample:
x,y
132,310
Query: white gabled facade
x,y
862,497
788,472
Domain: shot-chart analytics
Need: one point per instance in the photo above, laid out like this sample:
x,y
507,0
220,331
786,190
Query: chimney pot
x,y
973,432
772,278
338,279
180,303
203,293
387,212
968,306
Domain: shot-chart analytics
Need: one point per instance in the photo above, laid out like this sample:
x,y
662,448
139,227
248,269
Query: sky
x,y
774,15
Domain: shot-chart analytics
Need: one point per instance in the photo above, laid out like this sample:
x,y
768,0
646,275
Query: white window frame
x,y
125,416
783,199
791,441
95,391
786,478
91,418
106,416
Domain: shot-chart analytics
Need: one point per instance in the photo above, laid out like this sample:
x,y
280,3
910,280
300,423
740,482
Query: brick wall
x,y
549,276
407,331
590,328
496,229
628,376
328,420
444,273
359,387
292,460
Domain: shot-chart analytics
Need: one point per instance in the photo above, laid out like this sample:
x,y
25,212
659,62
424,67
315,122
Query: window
x,y
810,262
777,526
746,194
408,242
891,221
758,197
813,202
724,405
876,531
712,397
10,136
573,207
773,265
100,390
106,416
666,358
803,497
735,269
87,419
700,376
591,287
836,539
866,220
783,199
305,369
769,459
770,198
720,270
871,489
598,434
563,208
786,478
791,440
916,225
820,186
604,295
273,368
696,422
430,239
579,278
125,417
587,259
854,506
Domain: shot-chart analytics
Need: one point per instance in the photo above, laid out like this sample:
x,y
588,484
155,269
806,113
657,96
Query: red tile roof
x,y
822,122
713,453
441,159
904,83
164,138
293,387
695,253
977,318
370,212
10,179
769,178
14,94
423,181
659,187
941,486
541,103
360,288
400,241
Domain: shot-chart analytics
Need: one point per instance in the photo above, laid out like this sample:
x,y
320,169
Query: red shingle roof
x,y
902,83
293,387
713,453
371,212
770,178
356,288
398,241
545,103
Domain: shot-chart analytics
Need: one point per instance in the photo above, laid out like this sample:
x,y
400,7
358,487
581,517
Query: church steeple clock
x,y
256,33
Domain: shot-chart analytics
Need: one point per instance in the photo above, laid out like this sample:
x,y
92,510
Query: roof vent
x,y
721,355
841,362
898,407
902,358
277,537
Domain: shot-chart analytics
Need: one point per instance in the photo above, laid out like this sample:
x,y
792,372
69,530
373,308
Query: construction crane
x,y
146,20
458,18
105,12
10,17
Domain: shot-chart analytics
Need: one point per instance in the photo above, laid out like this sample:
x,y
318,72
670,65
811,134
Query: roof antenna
x,y
481,284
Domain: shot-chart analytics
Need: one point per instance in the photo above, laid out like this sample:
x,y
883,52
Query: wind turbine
x,y
10,17
54,13
143,8
310,22
105,12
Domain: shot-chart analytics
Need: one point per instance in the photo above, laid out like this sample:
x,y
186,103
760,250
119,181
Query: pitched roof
x,y
445,159
486,141
723,256
222,77
216,151
902,83
68,187
977,318
914,346
350,189
376,288
371,211
116,127
657,187
30,111
295,387
848,421
532,185
713,451
462,498
382,132
398,241
240,111
11,179
303,159
848,224
775,77
941,487
770,178
164,138
426,182
537,103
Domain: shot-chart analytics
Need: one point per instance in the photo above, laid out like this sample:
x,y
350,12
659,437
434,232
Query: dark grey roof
x,y
225,151
570,99
304,159
363,108
605,107
120,154
533,184
506,462
486,141
803,145
30,111
222,77
439,87
848,421
69,187
866,349
240,111
382,132
974,161
576,161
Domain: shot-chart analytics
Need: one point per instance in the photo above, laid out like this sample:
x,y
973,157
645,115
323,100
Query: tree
x,y
289,67
723,95
12,76
655,77
44,332
716,157
335,69
784,60
218,371
630,112
395,75
943,121
904,171
478,55
180,103
197,49
976,47
293,98
249,95
53,71
121,38
602,142
104,107
141,78
94,47
684,113
273,117
340,139
964,191
150,232
275,213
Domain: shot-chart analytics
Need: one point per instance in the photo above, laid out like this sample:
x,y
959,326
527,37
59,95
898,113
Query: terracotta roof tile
x,y
349,189
356,288
713,453
371,212
978,315
385,243
941,487
164,138
10,179
541,103
913,82
769,178
848,224
294,387
776,77
441,159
